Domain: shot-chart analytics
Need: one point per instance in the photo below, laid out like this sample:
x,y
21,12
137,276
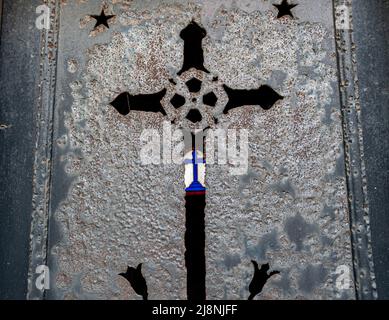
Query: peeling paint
x,y
111,212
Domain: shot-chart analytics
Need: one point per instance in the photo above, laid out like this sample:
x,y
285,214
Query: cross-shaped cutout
x,y
263,96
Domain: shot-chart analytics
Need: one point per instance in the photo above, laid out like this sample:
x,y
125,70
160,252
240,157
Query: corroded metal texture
x,y
42,162
354,153
291,207
108,211
373,101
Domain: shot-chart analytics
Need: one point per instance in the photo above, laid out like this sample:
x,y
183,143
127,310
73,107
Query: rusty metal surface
x,y
290,209
107,211
354,153
74,162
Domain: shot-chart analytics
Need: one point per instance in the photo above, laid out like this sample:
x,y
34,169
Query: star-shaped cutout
x,y
284,9
102,19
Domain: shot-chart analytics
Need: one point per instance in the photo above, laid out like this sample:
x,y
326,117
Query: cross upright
x,y
263,96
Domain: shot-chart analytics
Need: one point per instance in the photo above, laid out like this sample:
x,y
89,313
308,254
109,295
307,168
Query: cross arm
x,y
141,102
264,96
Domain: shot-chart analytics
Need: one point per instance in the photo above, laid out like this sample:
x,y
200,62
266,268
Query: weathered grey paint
x,y
107,211
354,153
1,14
19,79
371,40
43,163
293,160
98,210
